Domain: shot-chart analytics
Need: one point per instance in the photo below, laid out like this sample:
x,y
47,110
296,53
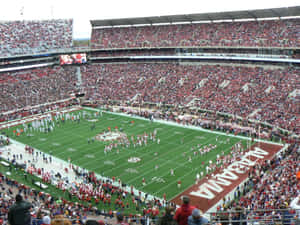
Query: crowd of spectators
x,y
27,111
257,93
43,204
252,92
77,211
127,53
258,198
267,33
272,179
32,37
32,87
296,56
271,186
86,195
146,52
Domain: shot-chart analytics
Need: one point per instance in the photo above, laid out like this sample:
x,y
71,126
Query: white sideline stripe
x,y
4,163
83,164
200,129
30,118
167,172
159,121
186,174
65,165
60,161
188,127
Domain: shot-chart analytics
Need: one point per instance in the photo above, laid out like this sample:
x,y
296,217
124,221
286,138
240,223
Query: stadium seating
x,y
262,92
77,212
270,180
279,179
43,203
35,86
270,187
32,37
272,33
133,53
253,92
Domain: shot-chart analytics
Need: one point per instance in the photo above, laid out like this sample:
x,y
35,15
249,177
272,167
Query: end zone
x,y
214,187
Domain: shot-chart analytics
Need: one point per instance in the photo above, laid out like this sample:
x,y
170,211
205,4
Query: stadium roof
x,y
233,15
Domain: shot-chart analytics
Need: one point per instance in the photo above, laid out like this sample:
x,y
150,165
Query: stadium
x,y
155,112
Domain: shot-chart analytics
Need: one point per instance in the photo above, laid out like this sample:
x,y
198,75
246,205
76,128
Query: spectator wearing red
x,y
182,213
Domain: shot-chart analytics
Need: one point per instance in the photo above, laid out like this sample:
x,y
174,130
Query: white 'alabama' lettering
x,y
227,174
214,185
246,162
222,181
260,151
203,192
235,167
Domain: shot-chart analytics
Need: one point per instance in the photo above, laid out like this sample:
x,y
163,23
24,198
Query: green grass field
x,y
70,140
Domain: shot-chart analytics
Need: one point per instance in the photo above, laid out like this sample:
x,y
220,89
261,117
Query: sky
x,y
82,11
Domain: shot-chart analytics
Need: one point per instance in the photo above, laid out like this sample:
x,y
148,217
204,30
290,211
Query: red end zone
x,y
216,186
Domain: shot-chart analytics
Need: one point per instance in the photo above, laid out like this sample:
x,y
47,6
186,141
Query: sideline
x,y
30,118
58,165
171,123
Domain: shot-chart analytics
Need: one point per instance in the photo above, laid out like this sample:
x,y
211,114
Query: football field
x,y
129,148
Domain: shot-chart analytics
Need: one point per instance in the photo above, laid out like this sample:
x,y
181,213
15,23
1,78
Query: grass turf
x,y
70,140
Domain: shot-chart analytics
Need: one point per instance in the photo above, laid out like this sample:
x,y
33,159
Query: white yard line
x,y
58,165
171,123
11,123
173,159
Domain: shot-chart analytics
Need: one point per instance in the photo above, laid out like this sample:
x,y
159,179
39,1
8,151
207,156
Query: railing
x,y
232,217
286,216
43,52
